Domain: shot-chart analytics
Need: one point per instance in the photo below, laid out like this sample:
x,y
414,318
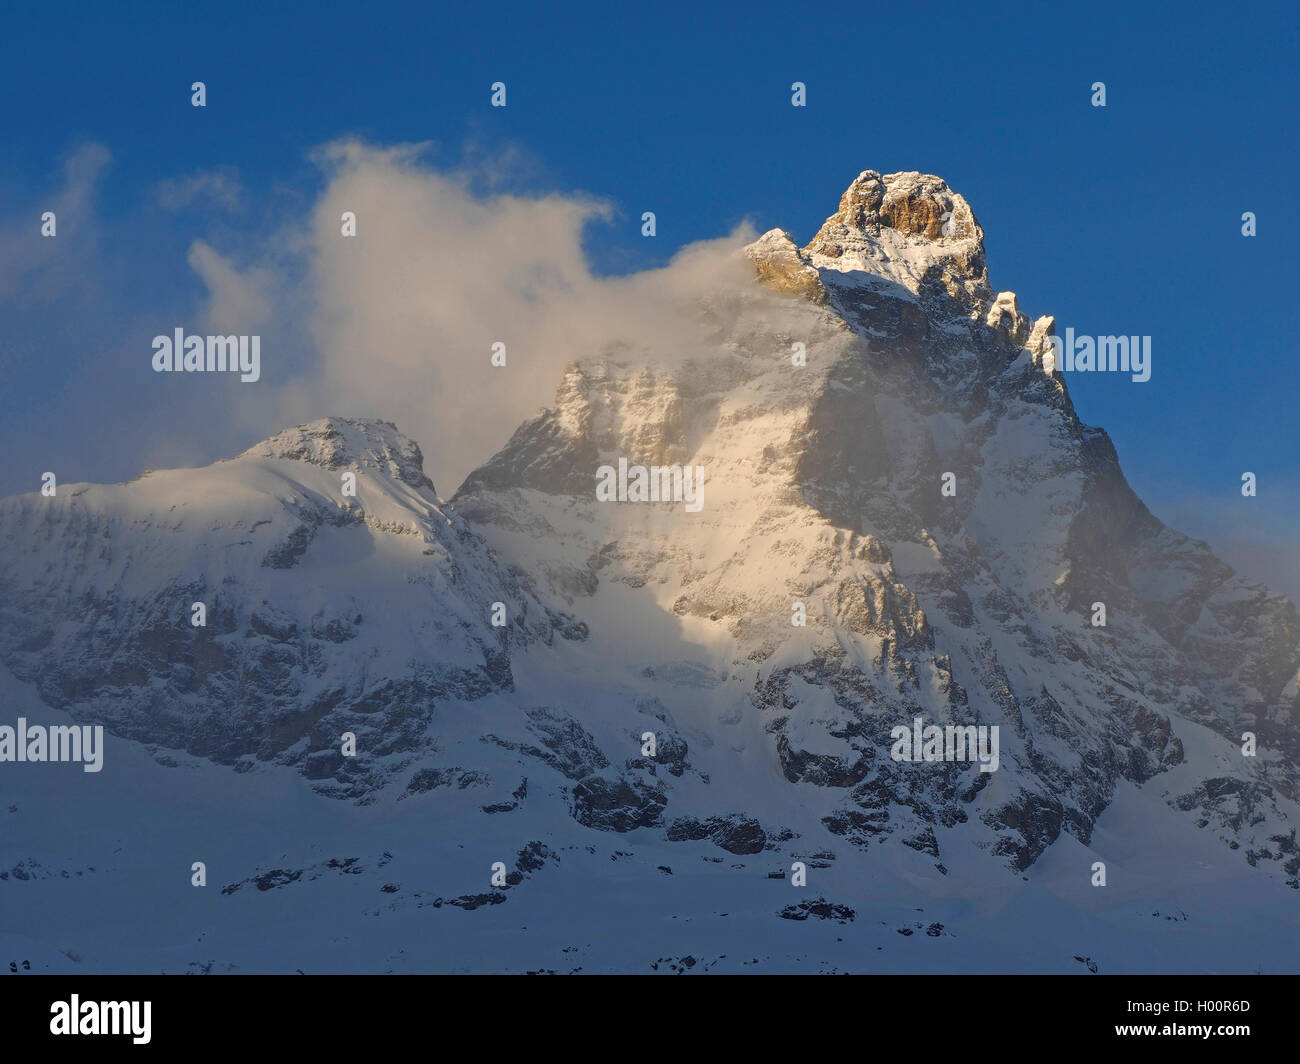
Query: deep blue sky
x,y
1117,220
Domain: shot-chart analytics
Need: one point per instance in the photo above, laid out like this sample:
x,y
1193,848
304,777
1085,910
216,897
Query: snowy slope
x,y
103,884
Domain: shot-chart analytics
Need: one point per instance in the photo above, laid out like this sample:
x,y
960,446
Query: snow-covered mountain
x,y
830,400
325,612
823,487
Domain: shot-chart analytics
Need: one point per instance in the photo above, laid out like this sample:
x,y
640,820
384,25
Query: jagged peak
x,y
908,227
905,227
341,442
782,266
910,202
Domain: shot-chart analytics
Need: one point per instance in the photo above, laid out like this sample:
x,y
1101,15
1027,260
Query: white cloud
x,y
400,319
238,302
40,268
219,187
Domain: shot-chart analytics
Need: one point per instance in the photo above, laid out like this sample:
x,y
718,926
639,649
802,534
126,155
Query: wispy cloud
x,y
1256,536
220,188
238,301
401,318
39,268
